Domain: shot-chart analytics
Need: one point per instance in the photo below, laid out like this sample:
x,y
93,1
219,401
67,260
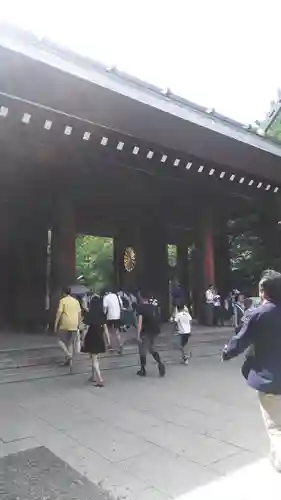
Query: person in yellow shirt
x,y
67,322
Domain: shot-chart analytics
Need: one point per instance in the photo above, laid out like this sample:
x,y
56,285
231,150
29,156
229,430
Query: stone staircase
x,y
43,358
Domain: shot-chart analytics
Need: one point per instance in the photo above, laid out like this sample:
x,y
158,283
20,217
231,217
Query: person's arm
x,y
79,315
58,316
243,339
139,327
104,304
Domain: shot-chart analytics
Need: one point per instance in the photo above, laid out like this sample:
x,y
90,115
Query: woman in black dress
x,y
94,342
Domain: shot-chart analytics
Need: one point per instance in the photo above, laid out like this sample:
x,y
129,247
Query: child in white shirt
x,y
183,322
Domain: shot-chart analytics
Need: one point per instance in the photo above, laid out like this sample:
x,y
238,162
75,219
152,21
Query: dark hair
x,y
270,284
181,306
66,290
248,302
95,315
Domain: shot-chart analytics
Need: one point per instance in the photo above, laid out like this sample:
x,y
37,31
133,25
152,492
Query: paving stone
x,y
153,494
110,442
167,472
257,480
38,474
187,443
230,464
20,425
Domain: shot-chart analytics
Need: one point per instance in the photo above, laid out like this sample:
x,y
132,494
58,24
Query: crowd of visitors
x,y
98,323
256,332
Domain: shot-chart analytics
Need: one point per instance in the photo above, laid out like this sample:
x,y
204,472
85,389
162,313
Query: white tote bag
x,y
77,343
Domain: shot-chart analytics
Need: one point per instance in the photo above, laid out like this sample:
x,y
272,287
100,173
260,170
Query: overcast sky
x,y
217,53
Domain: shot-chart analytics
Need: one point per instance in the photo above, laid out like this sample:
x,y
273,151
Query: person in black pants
x,y
218,310
148,327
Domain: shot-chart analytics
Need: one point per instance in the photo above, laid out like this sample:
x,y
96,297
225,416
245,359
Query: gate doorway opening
x,y
94,262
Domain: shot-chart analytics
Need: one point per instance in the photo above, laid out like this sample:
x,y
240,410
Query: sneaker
x,y
120,350
162,369
142,372
99,384
185,360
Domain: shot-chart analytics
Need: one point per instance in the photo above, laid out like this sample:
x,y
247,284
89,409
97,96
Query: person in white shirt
x,y
112,311
209,305
218,310
183,322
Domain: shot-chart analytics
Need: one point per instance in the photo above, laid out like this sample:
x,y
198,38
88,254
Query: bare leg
x,y
65,349
118,337
114,333
96,366
107,336
92,377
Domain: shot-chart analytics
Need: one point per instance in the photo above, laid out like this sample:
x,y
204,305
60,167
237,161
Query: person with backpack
x,y
148,327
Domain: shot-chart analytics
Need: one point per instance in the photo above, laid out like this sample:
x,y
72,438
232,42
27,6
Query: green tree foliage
x,y
246,253
274,129
94,260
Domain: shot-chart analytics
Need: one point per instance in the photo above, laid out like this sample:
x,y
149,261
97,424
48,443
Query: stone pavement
x,y
195,434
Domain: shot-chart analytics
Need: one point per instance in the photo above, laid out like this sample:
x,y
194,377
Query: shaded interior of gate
x,y
70,176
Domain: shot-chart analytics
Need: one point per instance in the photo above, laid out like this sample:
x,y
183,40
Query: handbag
x,y
77,346
123,312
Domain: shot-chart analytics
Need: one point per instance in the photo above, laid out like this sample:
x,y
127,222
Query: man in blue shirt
x,y
260,335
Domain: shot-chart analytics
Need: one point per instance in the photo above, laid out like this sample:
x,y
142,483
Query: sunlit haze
x,y
223,55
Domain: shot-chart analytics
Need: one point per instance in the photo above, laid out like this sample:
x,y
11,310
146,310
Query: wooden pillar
x,y
28,273
203,262
183,270
7,263
222,260
63,251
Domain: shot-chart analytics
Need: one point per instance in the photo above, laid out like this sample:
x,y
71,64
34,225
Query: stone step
x,y
81,364
51,355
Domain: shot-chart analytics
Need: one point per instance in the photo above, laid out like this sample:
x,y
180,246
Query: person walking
x,y
67,323
94,342
148,327
183,325
209,305
260,337
218,309
239,310
112,310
